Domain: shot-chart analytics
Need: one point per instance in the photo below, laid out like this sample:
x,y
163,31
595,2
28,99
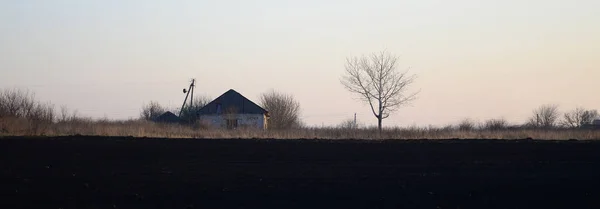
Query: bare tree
x,y
579,117
545,116
376,80
494,124
284,110
151,111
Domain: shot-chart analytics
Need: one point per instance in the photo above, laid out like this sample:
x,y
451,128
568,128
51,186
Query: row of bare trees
x,y
548,116
544,117
579,117
21,105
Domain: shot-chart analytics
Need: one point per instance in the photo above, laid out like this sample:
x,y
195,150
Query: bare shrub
x,y
578,117
151,111
41,117
66,115
545,116
16,103
466,125
495,124
21,107
284,110
349,124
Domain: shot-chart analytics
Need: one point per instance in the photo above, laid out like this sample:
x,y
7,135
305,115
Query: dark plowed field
x,y
96,172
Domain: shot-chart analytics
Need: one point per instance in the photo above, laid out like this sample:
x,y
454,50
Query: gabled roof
x,y
167,117
231,99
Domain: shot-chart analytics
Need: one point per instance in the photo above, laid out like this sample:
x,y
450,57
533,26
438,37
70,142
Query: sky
x,y
477,59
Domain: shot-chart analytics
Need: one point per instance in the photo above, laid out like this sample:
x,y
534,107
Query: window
x,y
232,124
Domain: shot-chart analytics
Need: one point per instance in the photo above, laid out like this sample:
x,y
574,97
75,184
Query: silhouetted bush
x,y
284,110
495,124
466,125
151,111
349,124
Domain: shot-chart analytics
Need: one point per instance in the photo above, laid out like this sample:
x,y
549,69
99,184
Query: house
x,y
232,110
167,117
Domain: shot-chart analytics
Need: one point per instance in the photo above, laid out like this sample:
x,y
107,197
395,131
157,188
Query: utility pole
x,y
192,86
355,126
190,89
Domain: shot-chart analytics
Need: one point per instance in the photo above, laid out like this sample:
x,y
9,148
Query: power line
x,y
349,115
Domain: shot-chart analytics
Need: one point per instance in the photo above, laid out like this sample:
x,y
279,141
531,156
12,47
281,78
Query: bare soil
x,y
127,172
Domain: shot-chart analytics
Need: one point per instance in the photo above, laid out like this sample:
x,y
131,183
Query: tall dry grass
x,y
142,128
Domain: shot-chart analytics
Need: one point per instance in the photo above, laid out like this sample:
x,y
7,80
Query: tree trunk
x,y
379,124
380,116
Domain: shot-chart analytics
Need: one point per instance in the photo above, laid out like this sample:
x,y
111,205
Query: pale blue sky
x,y
477,59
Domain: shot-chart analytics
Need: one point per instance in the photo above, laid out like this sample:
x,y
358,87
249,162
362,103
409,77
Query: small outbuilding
x,y
167,117
232,110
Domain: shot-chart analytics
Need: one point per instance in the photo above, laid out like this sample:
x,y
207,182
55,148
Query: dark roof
x,y
167,117
231,99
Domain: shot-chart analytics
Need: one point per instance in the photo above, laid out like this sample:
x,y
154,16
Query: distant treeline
x,y
22,114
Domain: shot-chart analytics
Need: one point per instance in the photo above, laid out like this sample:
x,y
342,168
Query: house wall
x,y
243,120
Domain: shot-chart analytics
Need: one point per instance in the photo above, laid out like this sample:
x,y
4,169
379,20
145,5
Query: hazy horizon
x,y
473,59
